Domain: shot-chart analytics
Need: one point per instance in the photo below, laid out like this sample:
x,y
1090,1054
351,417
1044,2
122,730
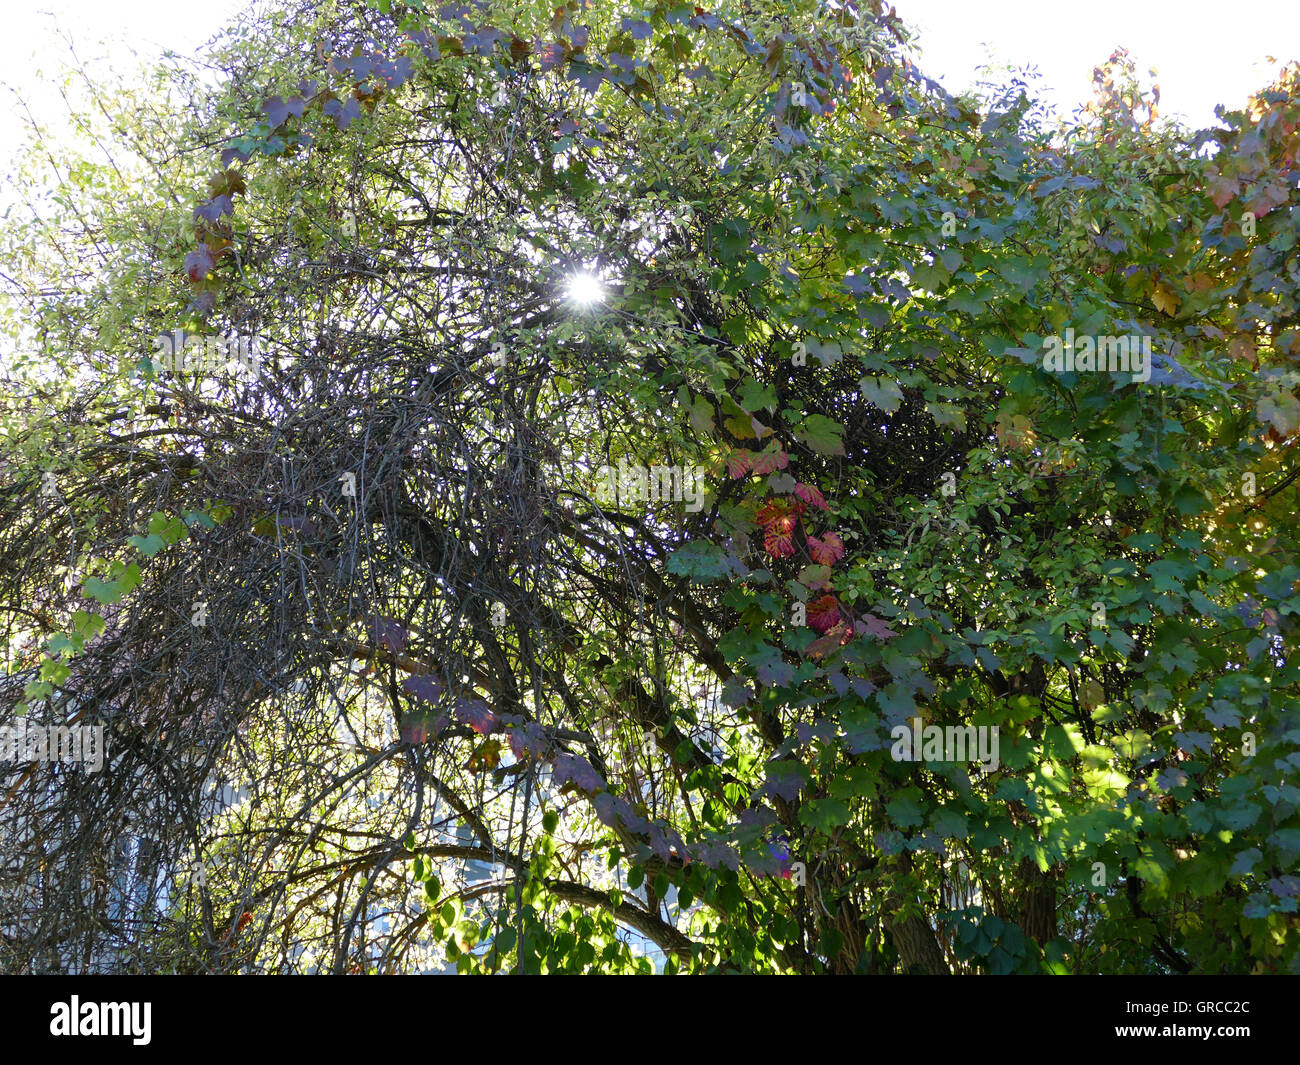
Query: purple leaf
x,y
484,40
361,67
428,687
343,112
575,770
214,209
297,524
662,839
614,810
871,625
588,77
199,263
784,780
550,54
637,29
278,110
1171,779
475,714
716,854
203,303
388,632
735,692
529,739
231,155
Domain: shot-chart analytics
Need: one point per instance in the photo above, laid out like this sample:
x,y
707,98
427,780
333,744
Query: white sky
x,y
1204,52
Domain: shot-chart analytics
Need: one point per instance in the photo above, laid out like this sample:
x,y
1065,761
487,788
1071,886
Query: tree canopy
x,y
420,572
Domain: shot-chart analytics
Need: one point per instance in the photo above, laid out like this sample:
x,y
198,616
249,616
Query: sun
x,y
584,288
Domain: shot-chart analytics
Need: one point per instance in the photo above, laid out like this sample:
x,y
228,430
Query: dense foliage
x,y
374,578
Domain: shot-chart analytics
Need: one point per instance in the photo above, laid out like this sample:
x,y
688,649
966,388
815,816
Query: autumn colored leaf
x,y
824,613
826,551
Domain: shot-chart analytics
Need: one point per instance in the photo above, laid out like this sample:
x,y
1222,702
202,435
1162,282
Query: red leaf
x,y
824,645
199,263
779,541
810,495
826,551
770,461
739,463
873,626
779,511
824,613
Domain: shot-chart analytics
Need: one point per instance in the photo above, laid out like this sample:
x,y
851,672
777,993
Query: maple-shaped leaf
x,y
824,645
199,263
824,613
484,41
529,739
1165,299
822,435
344,113
236,154
278,110
778,541
1280,410
739,463
774,671
663,840
810,495
575,772
769,461
717,855
420,725
203,303
873,626
815,577
475,714
637,29
784,780
386,632
616,811
227,183
587,76
428,687
487,755
826,551
881,392
214,209
550,54
735,692
777,511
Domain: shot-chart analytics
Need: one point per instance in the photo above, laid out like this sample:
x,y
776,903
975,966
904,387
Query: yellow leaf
x,y
1165,299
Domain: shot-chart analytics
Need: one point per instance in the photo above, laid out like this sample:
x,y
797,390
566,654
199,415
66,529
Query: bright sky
x,y
1204,52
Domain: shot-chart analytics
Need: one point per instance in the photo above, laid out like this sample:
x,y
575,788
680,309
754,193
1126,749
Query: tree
x,y
669,608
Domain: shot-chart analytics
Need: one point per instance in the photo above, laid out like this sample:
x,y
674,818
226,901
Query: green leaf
x,y
881,392
822,435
